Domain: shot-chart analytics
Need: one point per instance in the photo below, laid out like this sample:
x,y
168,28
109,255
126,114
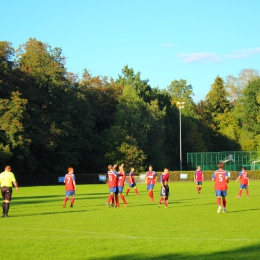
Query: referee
x,y
7,179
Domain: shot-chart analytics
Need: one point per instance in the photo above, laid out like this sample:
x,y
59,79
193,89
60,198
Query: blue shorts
x,y
132,184
112,190
199,182
70,193
222,193
120,189
243,186
150,186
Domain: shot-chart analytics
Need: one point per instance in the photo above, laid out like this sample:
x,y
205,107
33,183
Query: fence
x,y
234,160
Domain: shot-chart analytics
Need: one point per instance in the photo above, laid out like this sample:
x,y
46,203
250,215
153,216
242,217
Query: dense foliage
x,y
51,118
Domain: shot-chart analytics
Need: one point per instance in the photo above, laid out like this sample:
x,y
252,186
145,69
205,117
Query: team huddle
x,y
116,182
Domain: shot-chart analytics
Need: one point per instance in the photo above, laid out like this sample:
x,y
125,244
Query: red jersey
x,y
243,178
121,179
131,178
220,178
151,176
112,179
69,181
198,175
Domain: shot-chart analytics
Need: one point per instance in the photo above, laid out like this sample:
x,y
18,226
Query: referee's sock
x,y
3,207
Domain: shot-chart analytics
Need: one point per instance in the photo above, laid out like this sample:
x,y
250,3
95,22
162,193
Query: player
x,y
221,179
165,191
150,178
112,183
7,180
198,178
70,187
131,181
244,182
120,184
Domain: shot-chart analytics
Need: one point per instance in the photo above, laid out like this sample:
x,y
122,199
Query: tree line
x,y
51,118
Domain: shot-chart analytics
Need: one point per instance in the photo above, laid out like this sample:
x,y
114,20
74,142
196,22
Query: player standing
x,y
7,180
165,191
131,181
244,182
198,178
221,179
112,183
150,178
70,187
120,184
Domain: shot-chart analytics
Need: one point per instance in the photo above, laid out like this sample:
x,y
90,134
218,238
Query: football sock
x,y
219,201
198,189
136,191
166,202
151,195
6,208
113,200
66,199
224,202
161,200
117,201
247,192
240,193
127,191
72,201
123,198
110,197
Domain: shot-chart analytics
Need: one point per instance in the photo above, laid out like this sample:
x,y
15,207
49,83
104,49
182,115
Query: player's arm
x,y
15,185
238,178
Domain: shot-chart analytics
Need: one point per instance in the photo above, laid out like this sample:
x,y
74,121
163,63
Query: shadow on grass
x,y
247,252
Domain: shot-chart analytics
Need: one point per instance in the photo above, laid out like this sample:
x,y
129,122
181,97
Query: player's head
x,y
150,167
166,170
70,170
243,168
199,167
110,167
8,168
221,165
132,169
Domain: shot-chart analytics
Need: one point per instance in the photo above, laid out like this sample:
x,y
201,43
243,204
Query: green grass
x,y
39,227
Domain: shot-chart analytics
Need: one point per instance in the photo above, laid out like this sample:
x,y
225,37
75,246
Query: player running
x,y
221,179
131,181
198,178
165,191
244,182
70,187
150,178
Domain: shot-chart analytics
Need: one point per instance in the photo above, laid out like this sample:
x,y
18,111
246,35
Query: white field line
x,y
99,235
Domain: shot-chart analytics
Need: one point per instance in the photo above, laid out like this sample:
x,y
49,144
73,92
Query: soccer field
x,y
38,227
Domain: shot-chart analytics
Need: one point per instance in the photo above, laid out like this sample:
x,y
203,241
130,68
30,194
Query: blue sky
x,y
164,40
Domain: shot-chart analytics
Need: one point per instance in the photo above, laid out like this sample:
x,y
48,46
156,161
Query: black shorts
x,y
6,193
166,191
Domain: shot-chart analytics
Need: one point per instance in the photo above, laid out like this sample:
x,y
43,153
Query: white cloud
x,y
240,54
200,57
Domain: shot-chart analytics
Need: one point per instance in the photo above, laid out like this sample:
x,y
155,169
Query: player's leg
x,y
224,203
136,191
167,191
128,190
72,201
247,192
218,194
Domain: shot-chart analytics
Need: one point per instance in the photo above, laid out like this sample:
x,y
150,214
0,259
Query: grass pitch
x,y
39,227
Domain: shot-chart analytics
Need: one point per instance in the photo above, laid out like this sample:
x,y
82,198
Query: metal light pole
x,y
180,106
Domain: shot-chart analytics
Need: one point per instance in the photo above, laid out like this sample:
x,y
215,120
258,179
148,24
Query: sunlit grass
x,y
39,227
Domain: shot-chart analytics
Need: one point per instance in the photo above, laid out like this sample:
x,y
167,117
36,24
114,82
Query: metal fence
x,y
234,160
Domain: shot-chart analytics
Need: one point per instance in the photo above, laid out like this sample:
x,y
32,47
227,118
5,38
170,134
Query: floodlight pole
x,y
180,106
